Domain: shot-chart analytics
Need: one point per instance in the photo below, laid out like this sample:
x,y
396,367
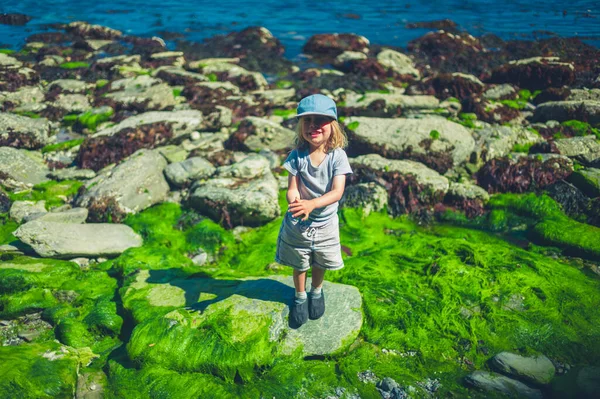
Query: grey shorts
x,y
301,247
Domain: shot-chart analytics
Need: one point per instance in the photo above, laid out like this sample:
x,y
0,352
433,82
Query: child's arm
x,y
305,207
292,192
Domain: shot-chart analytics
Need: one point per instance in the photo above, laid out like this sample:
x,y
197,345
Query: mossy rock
x,y
231,326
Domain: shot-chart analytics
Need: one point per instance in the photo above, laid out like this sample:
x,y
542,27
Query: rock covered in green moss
x,y
231,325
67,240
535,369
46,370
498,384
587,180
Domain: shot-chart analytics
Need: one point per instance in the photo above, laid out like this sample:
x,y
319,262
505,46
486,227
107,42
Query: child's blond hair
x,y
337,139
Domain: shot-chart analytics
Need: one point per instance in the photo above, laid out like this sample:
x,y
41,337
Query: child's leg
x,y
318,275
300,281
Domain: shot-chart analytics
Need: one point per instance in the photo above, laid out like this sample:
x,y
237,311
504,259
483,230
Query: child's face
x,y
316,130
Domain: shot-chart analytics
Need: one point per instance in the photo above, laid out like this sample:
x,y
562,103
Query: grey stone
x,y
200,259
398,62
135,184
8,62
393,102
250,167
562,111
500,92
31,133
182,122
499,384
173,73
498,141
577,146
273,157
191,169
587,180
246,202
174,153
396,135
426,177
10,249
536,369
72,174
75,215
143,89
467,191
66,240
267,135
23,96
73,103
277,97
73,86
370,197
584,94
234,71
21,168
20,210
347,56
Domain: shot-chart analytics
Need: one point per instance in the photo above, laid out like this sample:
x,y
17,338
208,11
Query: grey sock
x,y
301,297
315,292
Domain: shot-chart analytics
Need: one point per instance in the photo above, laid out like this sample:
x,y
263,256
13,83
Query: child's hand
x,y
301,208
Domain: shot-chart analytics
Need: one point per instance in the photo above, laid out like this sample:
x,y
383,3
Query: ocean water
x,y
382,22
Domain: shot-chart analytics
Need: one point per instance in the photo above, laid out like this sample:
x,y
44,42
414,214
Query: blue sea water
x,y
382,22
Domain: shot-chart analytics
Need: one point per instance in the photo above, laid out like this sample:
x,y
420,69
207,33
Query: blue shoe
x,y
316,306
298,313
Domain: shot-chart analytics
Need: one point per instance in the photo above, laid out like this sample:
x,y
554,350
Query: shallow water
x,y
382,22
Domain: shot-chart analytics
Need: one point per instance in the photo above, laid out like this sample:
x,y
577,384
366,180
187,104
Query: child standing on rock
x,y
309,235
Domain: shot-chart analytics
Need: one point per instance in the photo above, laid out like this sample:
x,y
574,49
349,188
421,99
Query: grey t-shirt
x,y
315,181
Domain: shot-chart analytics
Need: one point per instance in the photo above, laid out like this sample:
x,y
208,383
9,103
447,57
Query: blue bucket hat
x,y
317,104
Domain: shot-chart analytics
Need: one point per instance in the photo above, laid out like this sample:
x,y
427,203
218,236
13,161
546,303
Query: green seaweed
x,y
284,84
63,146
74,65
54,193
91,119
581,128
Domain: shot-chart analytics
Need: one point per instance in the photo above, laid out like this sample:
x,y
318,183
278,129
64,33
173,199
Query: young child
x,y
309,235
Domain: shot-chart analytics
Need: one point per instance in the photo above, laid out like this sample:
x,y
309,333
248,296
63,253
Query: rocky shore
x,y
141,196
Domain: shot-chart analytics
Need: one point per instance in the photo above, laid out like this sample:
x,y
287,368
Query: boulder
x,y
178,76
72,86
29,97
21,168
437,142
587,180
182,173
72,103
21,210
252,166
466,191
236,74
498,141
536,369
142,91
498,384
237,201
67,240
370,197
586,110
576,146
253,315
72,174
333,44
411,185
255,134
75,215
398,62
535,73
24,132
181,122
132,186
375,104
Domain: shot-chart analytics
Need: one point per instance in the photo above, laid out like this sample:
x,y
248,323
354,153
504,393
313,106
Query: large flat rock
x,y
426,140
66,240
24,132
534,369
